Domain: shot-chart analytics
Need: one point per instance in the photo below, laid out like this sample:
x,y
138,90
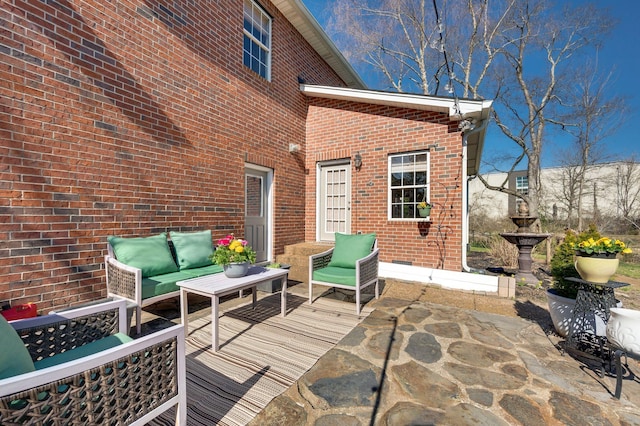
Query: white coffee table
x,y
217,285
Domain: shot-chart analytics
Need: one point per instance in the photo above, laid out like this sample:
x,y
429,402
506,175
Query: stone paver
x,y
413,361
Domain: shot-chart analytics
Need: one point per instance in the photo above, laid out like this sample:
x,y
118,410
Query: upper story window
x,y
408,184
257,39
522,187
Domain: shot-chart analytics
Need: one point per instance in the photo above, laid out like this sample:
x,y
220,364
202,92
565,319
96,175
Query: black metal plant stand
x,y
582,337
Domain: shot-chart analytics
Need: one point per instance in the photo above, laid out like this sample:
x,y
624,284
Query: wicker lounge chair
x,y
113,380
352,265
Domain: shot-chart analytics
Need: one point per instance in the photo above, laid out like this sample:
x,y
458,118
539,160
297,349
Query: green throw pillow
x,y
350,248
192,248
14,357
151,254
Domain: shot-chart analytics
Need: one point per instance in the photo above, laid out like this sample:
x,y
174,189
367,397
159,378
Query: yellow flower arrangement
x,y
233,250
423,205
602,245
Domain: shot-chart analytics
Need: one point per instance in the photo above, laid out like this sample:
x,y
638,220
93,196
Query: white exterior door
x,y
257,208
334,213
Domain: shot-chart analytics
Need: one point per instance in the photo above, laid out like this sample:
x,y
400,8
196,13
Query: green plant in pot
x,y
424,209
276,284
563,262
232,250
597,259
234,254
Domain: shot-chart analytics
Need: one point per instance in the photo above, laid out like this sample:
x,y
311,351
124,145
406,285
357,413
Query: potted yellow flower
x,y
562,295
235,255
424,209
596,259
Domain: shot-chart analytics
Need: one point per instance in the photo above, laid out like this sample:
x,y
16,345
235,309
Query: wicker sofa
x,y
145,270
79,367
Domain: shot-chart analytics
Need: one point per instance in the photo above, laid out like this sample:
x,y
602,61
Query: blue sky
x,y
621,53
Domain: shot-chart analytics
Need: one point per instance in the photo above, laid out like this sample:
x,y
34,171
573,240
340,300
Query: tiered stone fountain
x,y
525,240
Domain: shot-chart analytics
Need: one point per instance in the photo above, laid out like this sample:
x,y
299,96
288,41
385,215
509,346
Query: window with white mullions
x,y
522,187
408,184
335,201
257,39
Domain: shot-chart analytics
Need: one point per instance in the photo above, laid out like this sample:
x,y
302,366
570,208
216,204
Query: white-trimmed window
x,y
522,187
408,184
257,39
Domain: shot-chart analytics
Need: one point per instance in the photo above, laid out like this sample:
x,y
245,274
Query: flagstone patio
x,y
416,360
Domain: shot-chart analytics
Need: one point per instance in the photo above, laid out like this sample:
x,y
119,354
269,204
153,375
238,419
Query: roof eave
x,y
469,108
476,111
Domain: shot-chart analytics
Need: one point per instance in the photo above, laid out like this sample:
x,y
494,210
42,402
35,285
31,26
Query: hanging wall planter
x,y
426,212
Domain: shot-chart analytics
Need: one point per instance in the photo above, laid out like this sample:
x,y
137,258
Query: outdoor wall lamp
x,y
357,161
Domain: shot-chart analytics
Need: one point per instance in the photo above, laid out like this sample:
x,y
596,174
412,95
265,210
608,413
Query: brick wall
x,y
338,130
133,118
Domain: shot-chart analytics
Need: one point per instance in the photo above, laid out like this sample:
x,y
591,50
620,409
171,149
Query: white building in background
x,y
605,187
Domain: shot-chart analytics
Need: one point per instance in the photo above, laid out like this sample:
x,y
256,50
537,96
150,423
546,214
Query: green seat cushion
x,y
192,248
162,284
14,356
150,254
205,270
350,248
84,350
166,283
336,275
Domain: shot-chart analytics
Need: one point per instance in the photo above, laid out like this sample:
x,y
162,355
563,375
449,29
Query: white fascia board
x,y
468,107
446,279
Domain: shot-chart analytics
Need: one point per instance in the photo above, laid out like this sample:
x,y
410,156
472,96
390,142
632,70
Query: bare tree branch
x,y
521,53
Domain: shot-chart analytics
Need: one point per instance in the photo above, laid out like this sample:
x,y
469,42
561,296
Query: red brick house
x,y
137,117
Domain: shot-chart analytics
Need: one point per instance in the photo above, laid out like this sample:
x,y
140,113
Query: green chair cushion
x,y
192,248
162,284
14,356
84,350
151,254
205,270
350,248
336,275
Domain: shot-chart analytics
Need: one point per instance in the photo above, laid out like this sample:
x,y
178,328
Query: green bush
x,y
562,262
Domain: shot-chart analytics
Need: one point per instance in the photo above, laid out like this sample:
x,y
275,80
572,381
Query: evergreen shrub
x,y
562,262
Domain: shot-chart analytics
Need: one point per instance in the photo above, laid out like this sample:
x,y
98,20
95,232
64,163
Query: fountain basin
x,y
523,222
525,241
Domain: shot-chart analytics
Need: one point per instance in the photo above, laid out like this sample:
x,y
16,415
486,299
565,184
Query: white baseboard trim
x,y
443,278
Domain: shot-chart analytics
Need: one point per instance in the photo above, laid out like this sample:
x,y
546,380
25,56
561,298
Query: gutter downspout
x,y
465,194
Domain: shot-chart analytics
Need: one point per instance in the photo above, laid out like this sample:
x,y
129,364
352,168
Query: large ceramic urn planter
x,y
623,330
561,311
596,268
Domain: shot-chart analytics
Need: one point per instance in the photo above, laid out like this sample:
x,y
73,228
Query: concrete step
x,y
297,255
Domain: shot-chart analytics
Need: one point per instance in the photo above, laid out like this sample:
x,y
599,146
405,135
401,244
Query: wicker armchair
x,y
327,269
130,383
125,282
